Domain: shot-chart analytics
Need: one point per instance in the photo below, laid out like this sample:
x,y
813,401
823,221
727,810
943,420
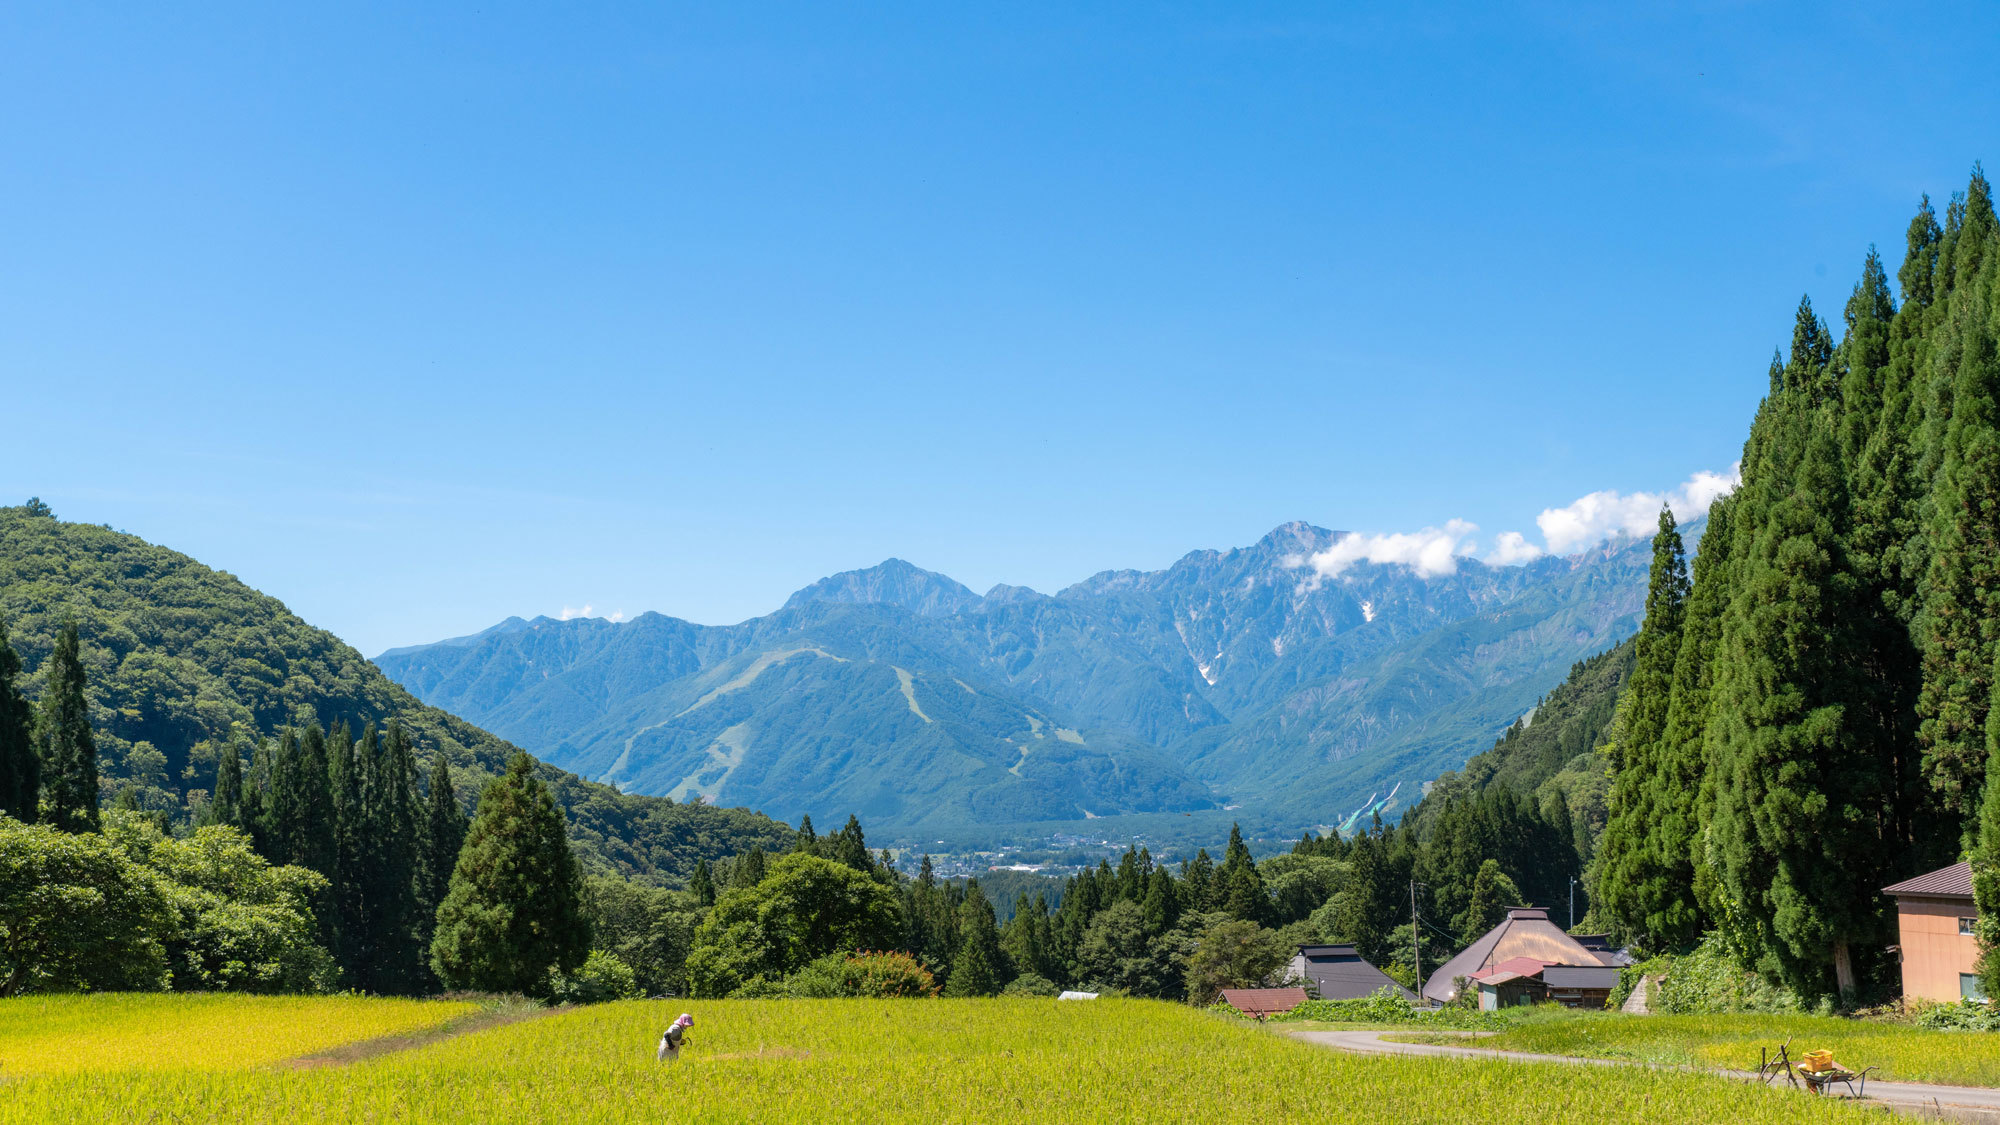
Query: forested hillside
x,y
1810,715
180,659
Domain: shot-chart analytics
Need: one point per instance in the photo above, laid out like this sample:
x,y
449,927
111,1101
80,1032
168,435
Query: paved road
x,y
1963,1103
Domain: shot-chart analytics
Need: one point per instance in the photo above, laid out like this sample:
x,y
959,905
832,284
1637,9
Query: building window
x,y
1968,986
1965,925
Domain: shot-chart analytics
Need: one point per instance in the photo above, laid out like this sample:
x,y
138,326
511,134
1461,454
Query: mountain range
x,y
1248,682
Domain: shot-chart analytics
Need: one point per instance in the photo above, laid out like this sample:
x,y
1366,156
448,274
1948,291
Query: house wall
x,y
1934,952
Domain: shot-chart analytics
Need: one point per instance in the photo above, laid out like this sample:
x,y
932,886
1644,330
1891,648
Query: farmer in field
x,y
670,1043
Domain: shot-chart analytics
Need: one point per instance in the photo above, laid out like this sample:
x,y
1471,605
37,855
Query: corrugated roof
x,y
1575,976
1946,882
1337,972
1263,1001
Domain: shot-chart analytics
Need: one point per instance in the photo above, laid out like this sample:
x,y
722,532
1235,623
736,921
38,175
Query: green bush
x,y
882,976
1030,984
1711,980
1966,1015
600,978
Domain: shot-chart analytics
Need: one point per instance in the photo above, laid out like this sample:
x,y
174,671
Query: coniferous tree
x,y
1799,777
808,840
256,808
702,884
1645,871
750,868
20,762
1986,855
394,854
979,969
1242,888
1959,623
68,750
514,911
850,848
443,838
226,805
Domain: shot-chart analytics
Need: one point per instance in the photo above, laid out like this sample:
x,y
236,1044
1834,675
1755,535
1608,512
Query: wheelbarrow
x,y
1817,1071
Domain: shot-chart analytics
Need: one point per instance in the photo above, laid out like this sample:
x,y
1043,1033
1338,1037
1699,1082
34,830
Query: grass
x,y
937,1060
1905,1053
127,1032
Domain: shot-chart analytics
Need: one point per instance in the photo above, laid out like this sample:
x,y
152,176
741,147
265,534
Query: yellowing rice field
x,y
126,1032
860,1060
1905,1053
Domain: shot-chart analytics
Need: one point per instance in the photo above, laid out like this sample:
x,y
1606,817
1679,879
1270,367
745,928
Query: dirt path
x,y
347,1054
1921,1099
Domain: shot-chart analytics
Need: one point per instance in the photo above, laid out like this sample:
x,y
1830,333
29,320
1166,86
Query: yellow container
x,y
1817,1062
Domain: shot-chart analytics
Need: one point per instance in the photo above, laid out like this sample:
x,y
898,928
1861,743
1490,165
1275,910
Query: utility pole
x,y
1416,951
1572,902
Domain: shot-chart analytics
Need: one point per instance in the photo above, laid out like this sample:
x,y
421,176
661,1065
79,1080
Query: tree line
x,y
318,862
383,885
1811,712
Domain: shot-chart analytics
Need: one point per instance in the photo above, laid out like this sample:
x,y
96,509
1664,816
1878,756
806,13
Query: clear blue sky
x,y
419,319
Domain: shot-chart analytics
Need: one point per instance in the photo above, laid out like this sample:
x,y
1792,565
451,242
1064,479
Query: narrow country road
x,y
1964,1103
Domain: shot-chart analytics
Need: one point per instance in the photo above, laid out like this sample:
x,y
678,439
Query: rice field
x,y
128,1032
861,1060
1905,1053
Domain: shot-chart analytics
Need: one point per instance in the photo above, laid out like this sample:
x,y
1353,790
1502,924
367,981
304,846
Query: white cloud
x,y
570,614
1592,519
1511,548
1429,553
615,616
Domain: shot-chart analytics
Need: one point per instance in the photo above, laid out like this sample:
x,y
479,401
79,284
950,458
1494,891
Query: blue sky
x,y
419,318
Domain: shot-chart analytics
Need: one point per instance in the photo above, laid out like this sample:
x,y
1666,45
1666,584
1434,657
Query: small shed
x,y
1339,972
1261,1002
1525,980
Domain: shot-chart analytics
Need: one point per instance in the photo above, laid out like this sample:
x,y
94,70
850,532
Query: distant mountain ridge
x,y
1232,677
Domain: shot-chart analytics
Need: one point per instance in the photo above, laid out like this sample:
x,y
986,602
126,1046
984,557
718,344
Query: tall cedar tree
x,y
443,837
225,806
69,752
1986,854
514,911
1960,621
1645,873
1242,888
1801,795
979,969
20,762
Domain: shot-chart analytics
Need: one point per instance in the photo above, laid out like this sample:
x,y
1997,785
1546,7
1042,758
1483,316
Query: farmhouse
x,y
1338,972
1935,918
1514,960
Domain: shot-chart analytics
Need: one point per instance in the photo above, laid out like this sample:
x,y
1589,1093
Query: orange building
x,y
1935,915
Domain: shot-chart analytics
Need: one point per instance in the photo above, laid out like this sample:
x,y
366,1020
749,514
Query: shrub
x,y
1710,980
1030,984
1966,1015
885,976
601,977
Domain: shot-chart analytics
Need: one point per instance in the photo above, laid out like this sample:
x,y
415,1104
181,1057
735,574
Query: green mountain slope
x,y
181,658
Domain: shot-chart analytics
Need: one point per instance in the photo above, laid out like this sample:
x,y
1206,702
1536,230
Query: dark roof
x,y
1525,932
1946,882
1338,972
1596,943
1578,976
1263,1001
